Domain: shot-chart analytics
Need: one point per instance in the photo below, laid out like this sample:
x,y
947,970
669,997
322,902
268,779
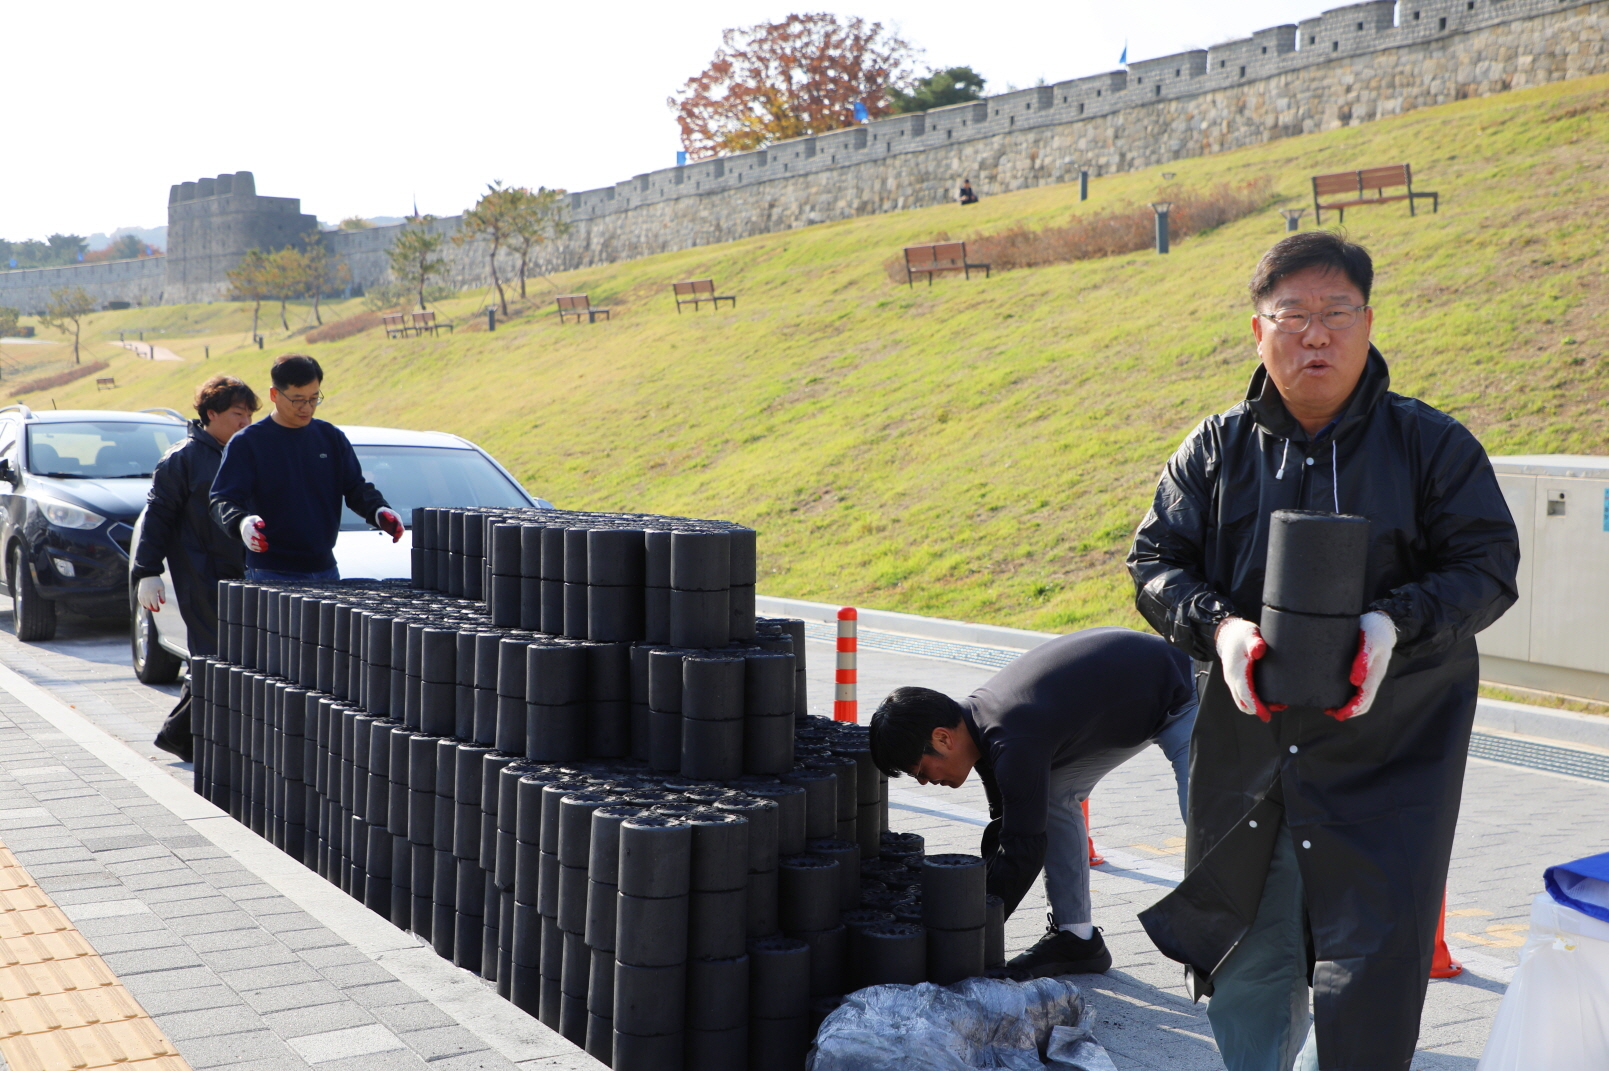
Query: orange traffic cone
x,y
1094,856
1442,965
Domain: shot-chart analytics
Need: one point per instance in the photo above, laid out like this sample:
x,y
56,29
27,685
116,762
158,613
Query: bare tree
x,y
67,309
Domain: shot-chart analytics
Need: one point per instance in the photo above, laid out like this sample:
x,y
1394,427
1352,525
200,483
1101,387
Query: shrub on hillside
x,y
60,379
1108,234
336,330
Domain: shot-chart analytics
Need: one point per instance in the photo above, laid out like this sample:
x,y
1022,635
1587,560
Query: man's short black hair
x,y
222,393
1312,249
295,370
902,728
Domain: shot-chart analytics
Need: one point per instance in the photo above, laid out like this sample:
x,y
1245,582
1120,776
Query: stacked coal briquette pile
x,y
645,843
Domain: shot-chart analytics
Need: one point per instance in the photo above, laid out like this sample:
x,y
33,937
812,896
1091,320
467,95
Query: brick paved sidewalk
x,y
189,909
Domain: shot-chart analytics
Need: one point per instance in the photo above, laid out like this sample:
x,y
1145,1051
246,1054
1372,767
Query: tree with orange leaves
x,y
801,76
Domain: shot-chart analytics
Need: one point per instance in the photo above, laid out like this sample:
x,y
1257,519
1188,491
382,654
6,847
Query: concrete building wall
x,y
1350,65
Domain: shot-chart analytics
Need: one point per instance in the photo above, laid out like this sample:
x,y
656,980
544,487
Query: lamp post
x,y
1161,208
1293,217
1083,184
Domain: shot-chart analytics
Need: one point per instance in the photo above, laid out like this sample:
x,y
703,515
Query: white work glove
x,y
1240,645
251,530
151,594
1377,638
389,523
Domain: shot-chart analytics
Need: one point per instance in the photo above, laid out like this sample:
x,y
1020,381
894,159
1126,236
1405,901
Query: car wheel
x,y
153,663
33,615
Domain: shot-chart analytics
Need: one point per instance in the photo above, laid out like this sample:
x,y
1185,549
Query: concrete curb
x,y
1562,726
931,628
1519,719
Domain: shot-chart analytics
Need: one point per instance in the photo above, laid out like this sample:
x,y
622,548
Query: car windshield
x,y
99,449
413,476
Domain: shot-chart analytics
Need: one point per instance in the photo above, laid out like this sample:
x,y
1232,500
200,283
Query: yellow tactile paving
x,y
61,1007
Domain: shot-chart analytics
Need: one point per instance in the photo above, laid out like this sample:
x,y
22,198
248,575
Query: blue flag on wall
x,y
681,158
1124,58
861,115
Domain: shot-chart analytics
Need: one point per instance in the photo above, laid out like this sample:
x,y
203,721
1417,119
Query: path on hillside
x,y
150,351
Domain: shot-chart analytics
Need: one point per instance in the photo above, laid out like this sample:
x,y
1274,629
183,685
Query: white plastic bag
x,y
1555,1015
976,1023
1074,1048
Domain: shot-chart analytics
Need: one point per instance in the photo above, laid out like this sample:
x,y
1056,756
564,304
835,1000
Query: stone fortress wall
x,y
1350,65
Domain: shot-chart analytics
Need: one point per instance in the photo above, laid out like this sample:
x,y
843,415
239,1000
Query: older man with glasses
x,y
282,480
1318,840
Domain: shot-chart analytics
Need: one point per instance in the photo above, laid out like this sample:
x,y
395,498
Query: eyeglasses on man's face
x,y
1295,321
311,402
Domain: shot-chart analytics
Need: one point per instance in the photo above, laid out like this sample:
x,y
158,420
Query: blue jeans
x,y
275,576
1067,845
1259,1006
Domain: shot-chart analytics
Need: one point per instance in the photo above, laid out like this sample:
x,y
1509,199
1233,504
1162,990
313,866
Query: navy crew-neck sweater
x,y
295,480
1087,692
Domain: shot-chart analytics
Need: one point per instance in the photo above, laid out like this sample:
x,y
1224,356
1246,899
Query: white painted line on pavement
x,y
515,1035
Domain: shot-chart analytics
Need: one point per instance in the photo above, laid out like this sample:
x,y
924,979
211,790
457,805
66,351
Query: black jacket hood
x,y
1267,408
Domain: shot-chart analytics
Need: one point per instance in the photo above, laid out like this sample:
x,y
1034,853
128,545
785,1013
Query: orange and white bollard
x,y
844,706
1442,964
1095,858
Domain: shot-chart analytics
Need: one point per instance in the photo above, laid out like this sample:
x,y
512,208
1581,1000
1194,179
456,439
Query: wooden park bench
x,y
426,321
578,305
696,291
106,383
396,325
1352,189
929,260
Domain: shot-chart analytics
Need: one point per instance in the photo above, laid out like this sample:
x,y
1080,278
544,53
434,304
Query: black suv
x,y
72,482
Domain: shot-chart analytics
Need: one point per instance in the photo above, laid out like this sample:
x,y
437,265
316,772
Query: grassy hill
x,y
984,449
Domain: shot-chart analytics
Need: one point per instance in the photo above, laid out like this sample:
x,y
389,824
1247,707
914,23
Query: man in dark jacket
x,y
1041,733
178,526
1318,841
280,486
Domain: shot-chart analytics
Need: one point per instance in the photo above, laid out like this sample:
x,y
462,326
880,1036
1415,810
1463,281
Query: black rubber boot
x,y
1062,952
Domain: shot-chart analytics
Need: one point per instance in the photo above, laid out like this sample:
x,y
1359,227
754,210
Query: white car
x,y
412,469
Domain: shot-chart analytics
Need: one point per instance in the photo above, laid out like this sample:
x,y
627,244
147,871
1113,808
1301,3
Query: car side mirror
x,y
8,472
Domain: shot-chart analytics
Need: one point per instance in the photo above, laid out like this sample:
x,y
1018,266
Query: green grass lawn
x,y
984,449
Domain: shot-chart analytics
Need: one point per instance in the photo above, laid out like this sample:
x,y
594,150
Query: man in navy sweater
x,y
280,485
1041,733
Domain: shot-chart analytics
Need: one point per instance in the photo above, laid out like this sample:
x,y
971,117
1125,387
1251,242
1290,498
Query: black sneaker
x,y
1063,952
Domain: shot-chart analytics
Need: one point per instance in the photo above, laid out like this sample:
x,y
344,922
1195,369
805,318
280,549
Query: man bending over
x,y
1041,733
281,482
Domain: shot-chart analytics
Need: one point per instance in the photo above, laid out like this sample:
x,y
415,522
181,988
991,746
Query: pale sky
x,y
357,107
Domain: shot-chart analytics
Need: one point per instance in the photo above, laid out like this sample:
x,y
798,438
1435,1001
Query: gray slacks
x,y
1066,848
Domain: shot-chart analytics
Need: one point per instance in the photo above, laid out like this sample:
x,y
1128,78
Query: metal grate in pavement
x,y
897,643
1574,762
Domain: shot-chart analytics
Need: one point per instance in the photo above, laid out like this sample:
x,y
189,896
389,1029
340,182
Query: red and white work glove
x,y
1240,645
251,530
151,593
388,522
1377,638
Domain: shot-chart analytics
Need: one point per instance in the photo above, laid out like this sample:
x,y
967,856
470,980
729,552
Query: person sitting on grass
x,y
282,480
1042,733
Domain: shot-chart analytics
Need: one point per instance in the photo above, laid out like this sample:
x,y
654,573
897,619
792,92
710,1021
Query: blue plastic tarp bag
x,y
1582,885
1555,1015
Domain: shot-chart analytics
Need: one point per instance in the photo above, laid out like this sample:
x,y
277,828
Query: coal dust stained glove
x,y
251,530
389,523
1377,638
151,594
1240,645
